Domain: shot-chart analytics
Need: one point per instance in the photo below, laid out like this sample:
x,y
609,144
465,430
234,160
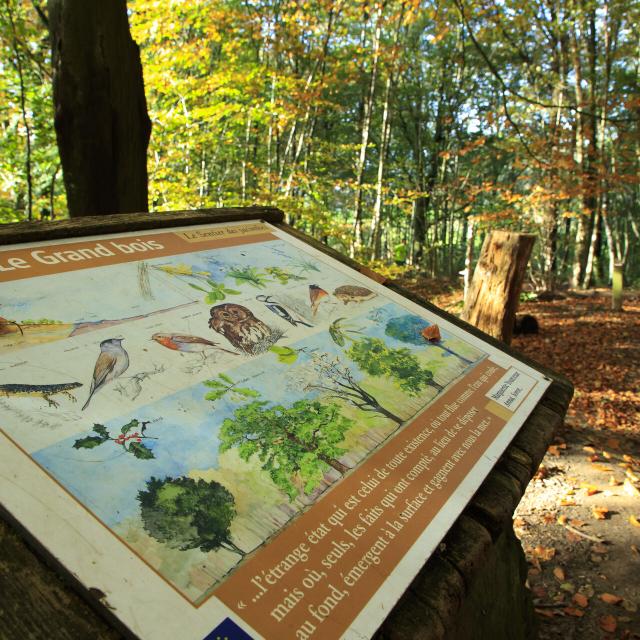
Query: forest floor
x,y
579,521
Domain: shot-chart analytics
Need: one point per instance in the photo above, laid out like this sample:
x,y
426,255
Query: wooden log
x,y
493,296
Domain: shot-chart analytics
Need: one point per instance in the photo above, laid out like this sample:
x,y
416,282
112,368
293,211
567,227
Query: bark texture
x,y
101,119
493,296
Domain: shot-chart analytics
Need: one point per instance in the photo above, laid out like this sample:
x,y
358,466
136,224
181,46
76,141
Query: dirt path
x,y
579,521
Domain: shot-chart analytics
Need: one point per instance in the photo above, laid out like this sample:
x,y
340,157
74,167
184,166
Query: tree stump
x,y
493,296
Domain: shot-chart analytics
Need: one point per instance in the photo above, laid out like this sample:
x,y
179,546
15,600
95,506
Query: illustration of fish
x,y
280,310
431,333
316,294
353,293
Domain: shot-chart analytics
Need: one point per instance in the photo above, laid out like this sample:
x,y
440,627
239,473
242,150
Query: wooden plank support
x,y
472,586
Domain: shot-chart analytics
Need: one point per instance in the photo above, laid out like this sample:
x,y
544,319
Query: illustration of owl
x,y
242,329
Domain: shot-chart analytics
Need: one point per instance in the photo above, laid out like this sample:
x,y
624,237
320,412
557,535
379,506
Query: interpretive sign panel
x,y
226,431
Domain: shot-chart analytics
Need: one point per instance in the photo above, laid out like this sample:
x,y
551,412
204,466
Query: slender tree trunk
x,y
364,131
101,117
23,109
335,464
385,135
468,256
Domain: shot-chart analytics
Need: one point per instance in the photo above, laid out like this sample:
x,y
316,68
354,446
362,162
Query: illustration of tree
x,y
302,439
337,380
377,359
189,514
408,329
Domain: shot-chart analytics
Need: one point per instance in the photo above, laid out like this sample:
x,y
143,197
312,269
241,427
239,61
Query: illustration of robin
x,y
187,344
112,362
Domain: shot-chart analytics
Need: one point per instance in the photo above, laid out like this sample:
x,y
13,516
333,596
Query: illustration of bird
x,y
242,329
431,333
316,294
188,344
279,310
112,362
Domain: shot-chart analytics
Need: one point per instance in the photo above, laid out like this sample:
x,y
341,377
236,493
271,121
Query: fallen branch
x,y
568,527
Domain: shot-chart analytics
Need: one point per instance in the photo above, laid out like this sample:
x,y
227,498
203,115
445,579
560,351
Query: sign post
x,y
224,421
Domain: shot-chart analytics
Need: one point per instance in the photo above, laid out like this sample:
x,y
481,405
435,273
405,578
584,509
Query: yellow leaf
x,y
631,489
634,521
599,513
558,572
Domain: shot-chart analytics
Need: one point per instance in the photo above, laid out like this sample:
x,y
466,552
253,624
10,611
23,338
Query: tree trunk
x,y
101,117
470,237
364,140
334,464
495,289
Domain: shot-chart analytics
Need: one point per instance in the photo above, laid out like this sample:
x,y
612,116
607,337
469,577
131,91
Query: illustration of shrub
x,y
282,275
409,329
301,440
189,514
250,276
373,356
225,385
128,439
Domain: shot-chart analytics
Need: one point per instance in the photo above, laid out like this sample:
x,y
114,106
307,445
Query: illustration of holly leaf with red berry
x,y
89,442
140,451
134,424
128,439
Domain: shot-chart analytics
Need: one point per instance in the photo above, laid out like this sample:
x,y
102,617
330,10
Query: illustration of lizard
x,y
42,390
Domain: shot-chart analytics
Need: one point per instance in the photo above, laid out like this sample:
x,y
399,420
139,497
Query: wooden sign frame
x,y
353,509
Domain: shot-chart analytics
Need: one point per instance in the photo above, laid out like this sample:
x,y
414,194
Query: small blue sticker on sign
x,y
228,630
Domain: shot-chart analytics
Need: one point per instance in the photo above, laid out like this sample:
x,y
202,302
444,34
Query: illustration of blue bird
x,y
275,307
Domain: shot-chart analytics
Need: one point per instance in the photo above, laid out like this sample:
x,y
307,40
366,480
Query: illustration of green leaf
x,y
286,355
336,336
213,297
216,384
195,286
248,393
101,430
89,442
225,377
130,425
282,350
232,292
214,395
140,451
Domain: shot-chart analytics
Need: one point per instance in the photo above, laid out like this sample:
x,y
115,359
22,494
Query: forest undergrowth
x,y
579,521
